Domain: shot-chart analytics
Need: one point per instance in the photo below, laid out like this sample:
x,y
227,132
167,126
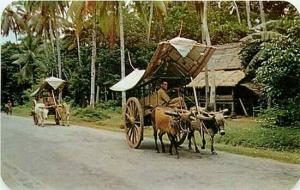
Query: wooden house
x,y
232,91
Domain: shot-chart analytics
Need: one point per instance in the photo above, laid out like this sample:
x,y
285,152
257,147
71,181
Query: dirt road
x,y
83,158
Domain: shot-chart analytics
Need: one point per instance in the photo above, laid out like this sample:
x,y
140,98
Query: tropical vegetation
x,y
87,43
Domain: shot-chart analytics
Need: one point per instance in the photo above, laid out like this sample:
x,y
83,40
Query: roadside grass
x,y
24,110
243,136
248,133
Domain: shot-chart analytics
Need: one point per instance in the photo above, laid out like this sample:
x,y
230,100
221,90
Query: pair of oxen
x,y
40,113
172,121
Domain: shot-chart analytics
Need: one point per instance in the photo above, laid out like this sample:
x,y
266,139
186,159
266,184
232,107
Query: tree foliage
x,y
275,65
280,66
10,88
35,52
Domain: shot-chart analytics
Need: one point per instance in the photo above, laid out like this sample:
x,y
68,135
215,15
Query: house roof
x,y
227,64
253,87
225,57
223,78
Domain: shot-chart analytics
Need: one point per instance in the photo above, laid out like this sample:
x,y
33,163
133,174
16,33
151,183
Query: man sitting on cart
x,y
50,101
165,100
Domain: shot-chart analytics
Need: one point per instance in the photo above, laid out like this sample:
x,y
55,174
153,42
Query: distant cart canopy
x,y
51,83
175,58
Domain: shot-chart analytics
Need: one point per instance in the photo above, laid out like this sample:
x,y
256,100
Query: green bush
x,y
287,114
279,138
111,105
101,111
228,32
90,114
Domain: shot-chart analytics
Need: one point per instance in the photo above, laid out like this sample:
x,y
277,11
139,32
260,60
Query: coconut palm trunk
x,y
237,12
200,9
150,21
248,14
208,43
59,66
97,94
263,20
52,40
93,67
78,49
122,52
58,55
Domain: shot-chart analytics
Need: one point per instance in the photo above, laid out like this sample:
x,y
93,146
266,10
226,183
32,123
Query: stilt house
x,y
232,91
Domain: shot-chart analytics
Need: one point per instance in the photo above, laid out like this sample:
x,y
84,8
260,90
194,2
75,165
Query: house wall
x,y
225,99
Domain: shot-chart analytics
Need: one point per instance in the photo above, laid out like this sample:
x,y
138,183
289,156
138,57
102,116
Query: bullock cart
x,y
47,94
178,61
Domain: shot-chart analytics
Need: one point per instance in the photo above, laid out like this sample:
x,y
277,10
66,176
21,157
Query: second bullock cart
x,y
178,61
47,94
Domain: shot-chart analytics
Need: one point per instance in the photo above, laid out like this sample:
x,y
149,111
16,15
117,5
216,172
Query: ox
x,y
41,113
166,120
210,126
63,112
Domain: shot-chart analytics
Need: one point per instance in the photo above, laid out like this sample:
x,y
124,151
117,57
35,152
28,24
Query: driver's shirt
x,y
163,98
51,101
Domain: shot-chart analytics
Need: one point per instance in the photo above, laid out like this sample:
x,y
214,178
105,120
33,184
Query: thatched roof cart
x,y
175,60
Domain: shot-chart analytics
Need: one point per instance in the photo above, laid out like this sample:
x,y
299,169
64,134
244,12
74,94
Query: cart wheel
x,y
34,117
56,120
182,135
134,122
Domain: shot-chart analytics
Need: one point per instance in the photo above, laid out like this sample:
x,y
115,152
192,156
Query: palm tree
x,y
212,100
158,7
29,59
102,8
201,9
102,15
49,13
93,67
12,21
76,14
121,24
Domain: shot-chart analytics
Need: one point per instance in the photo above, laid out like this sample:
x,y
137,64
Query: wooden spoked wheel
x,y
182,135
134,122
56,117
34,117
56,120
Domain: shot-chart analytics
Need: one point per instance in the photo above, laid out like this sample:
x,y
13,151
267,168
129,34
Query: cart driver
x,y
165,100
50,100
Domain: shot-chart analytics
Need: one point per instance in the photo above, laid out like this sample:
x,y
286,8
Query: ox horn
x,y
202,117
223,111
193,118
182,111
171,113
